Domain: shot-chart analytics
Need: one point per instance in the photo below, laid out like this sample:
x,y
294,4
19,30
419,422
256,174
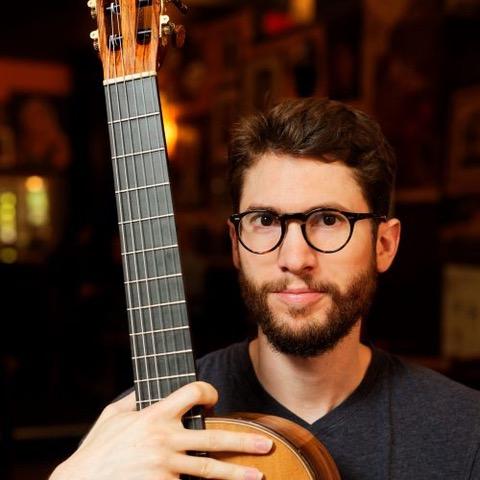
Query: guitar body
x,y
296,454
130,38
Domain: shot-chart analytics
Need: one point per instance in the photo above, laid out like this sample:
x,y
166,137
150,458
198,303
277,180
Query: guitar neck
x,y
158,322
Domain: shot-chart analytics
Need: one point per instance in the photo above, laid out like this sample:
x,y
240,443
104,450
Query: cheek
x,y
257,268
355,258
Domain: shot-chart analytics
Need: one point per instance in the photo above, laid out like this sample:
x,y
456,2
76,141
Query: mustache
x,y
284,284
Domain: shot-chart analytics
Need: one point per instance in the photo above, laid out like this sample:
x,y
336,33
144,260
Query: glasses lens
x,y
327,230
260,231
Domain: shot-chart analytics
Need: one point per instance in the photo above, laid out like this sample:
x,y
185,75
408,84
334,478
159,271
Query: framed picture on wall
x,y
464,152
461,312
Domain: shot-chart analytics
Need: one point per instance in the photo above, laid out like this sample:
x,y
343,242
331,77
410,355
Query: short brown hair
x,y
322,129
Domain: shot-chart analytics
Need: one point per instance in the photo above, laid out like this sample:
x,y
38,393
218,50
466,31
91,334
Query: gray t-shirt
x,y
403,422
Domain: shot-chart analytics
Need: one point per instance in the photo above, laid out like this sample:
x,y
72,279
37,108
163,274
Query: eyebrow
x,y
269,208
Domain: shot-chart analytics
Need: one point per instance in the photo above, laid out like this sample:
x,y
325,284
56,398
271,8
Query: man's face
x,y
305,301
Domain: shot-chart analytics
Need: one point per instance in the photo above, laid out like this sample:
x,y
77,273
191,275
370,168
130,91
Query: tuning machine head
x,y
94,38
176,33
92,4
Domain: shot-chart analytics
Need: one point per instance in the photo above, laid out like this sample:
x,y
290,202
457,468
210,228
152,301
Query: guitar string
x,y
141,256
163,241
171,229
129,210
141,222
110,111
185,339
171,234
182,341
167,193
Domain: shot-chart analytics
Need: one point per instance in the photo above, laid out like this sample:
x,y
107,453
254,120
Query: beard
x,y
312,336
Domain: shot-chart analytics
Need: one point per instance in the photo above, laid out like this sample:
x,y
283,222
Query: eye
x,y
266,219
326,219
262,219
329,219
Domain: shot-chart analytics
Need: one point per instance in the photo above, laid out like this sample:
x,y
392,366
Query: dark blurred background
x,y
64,349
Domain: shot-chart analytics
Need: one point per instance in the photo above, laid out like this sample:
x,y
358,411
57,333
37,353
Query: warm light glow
x,y
303,11
34,184
8,255
38,204
8,217
169,125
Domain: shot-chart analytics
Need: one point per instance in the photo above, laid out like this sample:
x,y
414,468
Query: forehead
x,y
291,184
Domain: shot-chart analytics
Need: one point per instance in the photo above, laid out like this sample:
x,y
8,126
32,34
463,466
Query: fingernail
x,y
252,474
263,445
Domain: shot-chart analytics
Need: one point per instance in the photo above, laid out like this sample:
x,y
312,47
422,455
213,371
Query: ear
x,y
234,242
388,239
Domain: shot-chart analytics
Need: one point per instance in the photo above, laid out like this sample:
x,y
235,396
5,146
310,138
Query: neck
x,y
311,387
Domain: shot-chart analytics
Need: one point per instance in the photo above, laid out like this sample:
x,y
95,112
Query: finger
x,y
184,399
221,441
205,467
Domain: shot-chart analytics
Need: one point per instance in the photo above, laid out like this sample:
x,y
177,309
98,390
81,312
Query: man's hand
x,y
151,444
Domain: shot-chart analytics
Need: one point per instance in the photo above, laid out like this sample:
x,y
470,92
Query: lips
x,y
297,296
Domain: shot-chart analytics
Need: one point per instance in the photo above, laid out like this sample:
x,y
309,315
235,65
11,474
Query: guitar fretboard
x,y
158,323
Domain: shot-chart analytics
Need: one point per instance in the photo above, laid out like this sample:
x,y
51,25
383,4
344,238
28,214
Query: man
x,y
312,183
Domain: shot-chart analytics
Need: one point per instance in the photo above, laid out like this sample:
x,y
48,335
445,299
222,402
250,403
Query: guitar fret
x,y
142,152
161,277
134,189
175,245
156,217
154,400
128,78
135,117
166,377
160,330
150,401
156,305
162,354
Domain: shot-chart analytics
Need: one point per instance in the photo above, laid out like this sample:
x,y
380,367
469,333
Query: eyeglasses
x,y
325,230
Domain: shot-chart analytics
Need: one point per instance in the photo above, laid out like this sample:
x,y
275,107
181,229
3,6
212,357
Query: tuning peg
x,y
176,32
181,6
94,37
92,4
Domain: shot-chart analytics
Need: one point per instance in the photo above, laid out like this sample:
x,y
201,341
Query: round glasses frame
x,y
302,217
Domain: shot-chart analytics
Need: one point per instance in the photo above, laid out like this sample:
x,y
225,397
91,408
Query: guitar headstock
x,y
133,35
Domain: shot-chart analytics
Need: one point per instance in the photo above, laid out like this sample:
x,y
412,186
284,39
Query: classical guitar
x,y
131,36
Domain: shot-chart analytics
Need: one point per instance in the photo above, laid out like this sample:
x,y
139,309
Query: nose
x,y
294,254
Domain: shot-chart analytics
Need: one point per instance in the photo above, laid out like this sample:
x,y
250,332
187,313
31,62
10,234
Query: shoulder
x,y
424,385
427,399
433,417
